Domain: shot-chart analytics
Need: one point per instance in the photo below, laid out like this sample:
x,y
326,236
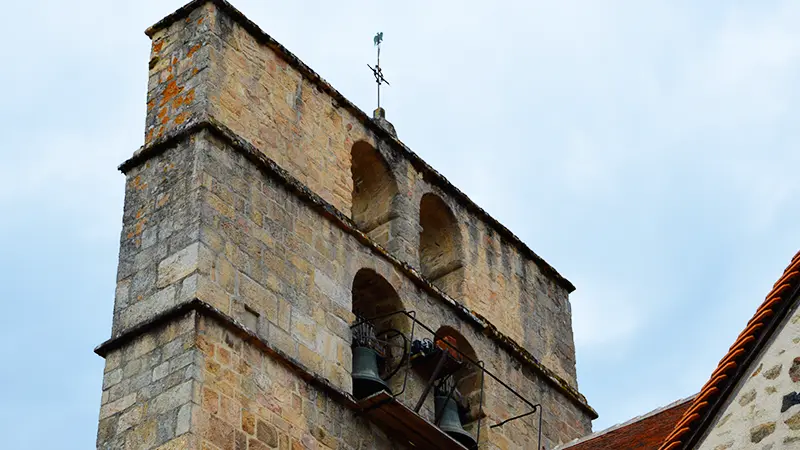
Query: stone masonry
x,y
261,210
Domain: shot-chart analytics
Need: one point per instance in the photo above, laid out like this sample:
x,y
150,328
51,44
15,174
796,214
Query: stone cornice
x,y
265,164
242,331
419,164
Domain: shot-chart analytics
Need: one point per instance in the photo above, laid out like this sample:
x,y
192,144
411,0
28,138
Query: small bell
x,y
450,423
366,380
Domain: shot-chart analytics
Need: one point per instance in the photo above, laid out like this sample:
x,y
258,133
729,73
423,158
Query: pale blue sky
x,y
647,150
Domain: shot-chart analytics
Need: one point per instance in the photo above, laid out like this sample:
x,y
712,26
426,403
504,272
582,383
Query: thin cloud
x,y
644,149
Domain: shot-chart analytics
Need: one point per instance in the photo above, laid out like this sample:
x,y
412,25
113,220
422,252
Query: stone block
x,y
160,371
282,341
219,433
211,293
266,433
143,435
148,308
171,399
117,406
177,266
112,378
180,443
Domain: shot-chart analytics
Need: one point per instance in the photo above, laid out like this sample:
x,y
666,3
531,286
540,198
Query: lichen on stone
x,y
759,432
773,372
793,422
747,397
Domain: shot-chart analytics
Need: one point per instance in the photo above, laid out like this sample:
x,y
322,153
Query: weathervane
x,y
377,69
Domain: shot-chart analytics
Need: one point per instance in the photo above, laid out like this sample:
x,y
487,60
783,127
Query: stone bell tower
x,y
263,212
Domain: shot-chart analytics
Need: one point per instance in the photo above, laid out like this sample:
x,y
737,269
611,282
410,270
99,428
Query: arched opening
x,y
439,244
373,296
374,299
467,380
374,188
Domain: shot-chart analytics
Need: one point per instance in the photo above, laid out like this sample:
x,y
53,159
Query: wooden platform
x,y
403,424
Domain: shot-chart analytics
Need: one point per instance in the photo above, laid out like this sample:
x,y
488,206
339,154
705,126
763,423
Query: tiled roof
x,y
730,368
646,432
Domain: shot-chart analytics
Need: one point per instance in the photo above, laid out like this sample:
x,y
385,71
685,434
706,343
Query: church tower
x,y
292,276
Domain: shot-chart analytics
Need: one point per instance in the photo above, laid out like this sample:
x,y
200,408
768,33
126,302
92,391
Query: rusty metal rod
x,y
439,366
483,368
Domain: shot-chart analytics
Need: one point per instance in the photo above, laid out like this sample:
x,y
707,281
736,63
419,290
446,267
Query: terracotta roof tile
x,y
744,347
642,433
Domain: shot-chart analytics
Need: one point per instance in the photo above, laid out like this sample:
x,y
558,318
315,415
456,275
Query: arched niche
x,y
468,378
374,297
439,244
374,188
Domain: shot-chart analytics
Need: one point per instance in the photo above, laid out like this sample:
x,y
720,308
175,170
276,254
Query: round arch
x,y
374,187
440,251
374,299
373,296
468,379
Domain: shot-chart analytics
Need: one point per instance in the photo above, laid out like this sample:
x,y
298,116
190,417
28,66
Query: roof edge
x,y
432,174
715,393
631,421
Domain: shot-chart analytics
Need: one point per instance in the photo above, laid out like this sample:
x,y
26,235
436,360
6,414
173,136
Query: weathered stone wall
x,y
270,260
158,245
251,401
235,218
511,291
753,417
207,65
203,221
179,69
151,390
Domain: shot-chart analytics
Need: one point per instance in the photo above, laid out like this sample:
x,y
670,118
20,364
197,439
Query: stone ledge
x,y
204,308
328,211
430,174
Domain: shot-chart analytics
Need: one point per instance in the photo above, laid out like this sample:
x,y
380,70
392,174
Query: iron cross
x,y
379,79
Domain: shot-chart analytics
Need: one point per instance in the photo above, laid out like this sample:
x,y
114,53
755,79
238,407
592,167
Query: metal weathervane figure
x,y
377,69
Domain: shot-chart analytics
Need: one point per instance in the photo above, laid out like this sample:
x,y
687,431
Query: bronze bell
x,y
366,380
450,423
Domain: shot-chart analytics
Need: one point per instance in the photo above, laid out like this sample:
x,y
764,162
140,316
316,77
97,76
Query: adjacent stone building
x,y
262,211
751,400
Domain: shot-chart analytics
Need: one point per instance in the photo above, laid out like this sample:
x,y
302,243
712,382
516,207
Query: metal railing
x,y
406,363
